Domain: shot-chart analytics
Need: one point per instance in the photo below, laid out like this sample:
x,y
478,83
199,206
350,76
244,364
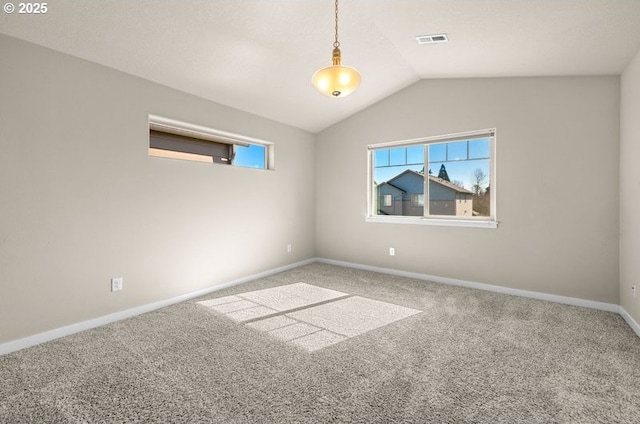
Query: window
x,y
179,140
417,200
445,180
251,156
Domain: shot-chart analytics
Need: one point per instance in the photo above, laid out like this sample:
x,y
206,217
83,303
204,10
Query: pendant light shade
x,y
336,80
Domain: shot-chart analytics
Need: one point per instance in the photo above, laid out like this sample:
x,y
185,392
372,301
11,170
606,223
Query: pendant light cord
x,y
336,43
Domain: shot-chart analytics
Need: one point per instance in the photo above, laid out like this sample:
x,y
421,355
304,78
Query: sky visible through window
x,y
461,159
252,156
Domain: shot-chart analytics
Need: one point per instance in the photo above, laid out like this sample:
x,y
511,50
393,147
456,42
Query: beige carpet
x,y
423,353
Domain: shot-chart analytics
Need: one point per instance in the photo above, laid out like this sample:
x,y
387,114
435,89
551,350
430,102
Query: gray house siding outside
x,y
442,200
401,188
446,201
445,197
395,208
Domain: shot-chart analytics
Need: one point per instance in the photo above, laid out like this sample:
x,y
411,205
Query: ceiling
x,y
259,55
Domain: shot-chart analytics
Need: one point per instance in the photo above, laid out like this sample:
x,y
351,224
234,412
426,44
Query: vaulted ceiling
x,y
259,55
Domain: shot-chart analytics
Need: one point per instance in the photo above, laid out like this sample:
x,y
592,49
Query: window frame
x,y
490,221
181,129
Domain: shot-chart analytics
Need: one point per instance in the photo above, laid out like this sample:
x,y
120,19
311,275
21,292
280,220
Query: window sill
x,y
443,222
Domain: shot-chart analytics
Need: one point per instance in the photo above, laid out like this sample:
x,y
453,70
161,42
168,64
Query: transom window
x,y
173,139
442,180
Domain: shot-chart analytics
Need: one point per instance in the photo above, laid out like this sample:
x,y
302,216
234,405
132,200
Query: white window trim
x,y
187,129
441,222
490,222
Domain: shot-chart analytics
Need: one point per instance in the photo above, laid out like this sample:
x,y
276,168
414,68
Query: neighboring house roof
x,y
436,180
391,185
408,171
450,185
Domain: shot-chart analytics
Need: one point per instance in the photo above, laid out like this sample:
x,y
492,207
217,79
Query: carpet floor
x,y
461,356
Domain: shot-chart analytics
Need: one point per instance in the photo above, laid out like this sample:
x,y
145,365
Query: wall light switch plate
x,y
116,284
392,251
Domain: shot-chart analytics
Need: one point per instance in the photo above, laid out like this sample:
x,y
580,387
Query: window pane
x,y
459,183
397,185
415,154
252,156
479,149
457,150
459,188
381,157
398,156
437,152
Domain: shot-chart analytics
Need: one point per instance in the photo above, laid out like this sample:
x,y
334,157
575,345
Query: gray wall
x,y
630,189
557,139
81,201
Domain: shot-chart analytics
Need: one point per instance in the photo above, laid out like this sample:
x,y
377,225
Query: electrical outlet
x,y
116,284
392,251
289,248
633,290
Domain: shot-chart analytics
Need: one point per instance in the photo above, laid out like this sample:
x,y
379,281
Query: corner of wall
x,y
630,192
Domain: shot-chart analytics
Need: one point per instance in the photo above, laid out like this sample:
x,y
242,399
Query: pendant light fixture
x,y
336,80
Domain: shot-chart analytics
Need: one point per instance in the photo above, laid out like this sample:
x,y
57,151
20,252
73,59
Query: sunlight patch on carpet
x,y
308,316
353,316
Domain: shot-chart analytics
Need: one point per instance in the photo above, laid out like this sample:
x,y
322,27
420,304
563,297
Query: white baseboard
x,y
37,339
632,323
610,307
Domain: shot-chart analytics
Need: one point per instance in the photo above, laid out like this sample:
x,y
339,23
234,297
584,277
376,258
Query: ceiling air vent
x,y
434,38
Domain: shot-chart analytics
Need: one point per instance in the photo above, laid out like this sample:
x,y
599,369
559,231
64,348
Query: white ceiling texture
x,y
259,55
